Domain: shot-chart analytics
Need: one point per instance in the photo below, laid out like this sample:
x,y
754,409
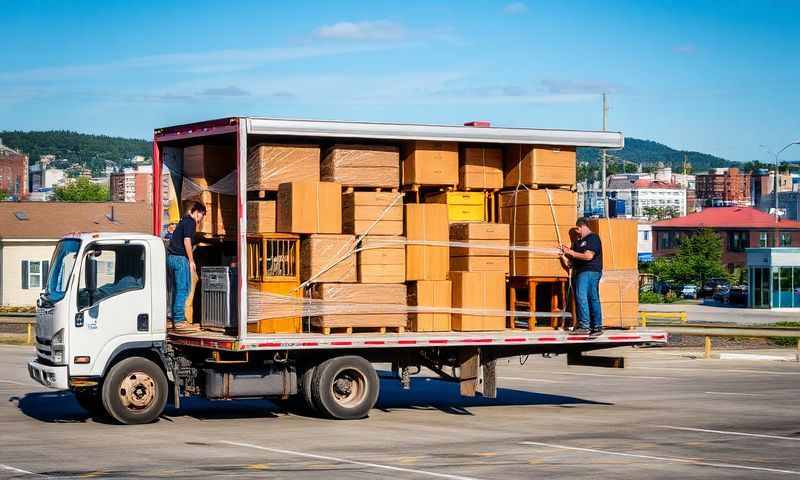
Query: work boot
x,y
185,328
596,332
580,331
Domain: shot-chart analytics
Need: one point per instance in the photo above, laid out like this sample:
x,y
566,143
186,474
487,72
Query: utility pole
x,y
603,154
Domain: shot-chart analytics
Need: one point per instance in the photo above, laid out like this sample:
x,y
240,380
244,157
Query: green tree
x,y
660,213
82,190
699,258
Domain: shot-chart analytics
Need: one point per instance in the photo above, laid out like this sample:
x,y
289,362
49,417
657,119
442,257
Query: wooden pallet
x,y
351,330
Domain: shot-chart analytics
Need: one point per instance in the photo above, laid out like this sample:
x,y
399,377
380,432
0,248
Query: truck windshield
x,y
61,269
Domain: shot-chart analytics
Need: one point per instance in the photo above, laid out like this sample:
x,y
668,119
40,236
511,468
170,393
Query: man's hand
x,y
193,268
565,250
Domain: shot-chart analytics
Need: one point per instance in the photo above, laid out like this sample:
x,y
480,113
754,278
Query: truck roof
x,y
88,236
398,131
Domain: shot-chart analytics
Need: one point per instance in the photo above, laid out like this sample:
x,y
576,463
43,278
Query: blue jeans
x,y
178,267
587,300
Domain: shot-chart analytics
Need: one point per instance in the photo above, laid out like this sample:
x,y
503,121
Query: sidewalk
x,y
720,314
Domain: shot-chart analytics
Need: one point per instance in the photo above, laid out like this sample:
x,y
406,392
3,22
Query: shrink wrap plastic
x,y
269,165
362,166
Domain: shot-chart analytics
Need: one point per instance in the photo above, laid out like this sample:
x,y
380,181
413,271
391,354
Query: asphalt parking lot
x,y
666,416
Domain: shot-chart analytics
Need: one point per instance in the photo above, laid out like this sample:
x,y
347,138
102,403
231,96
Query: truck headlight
x,y
57,347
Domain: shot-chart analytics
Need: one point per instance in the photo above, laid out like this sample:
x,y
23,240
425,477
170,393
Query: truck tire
x,y
300,403
89,400
345,388
135,391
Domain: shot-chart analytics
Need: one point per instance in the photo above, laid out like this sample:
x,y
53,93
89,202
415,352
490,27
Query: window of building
x,y
786,239
33,271
737,241
763,239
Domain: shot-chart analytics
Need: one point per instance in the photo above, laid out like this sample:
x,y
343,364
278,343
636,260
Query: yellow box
x,y
462,206
276,297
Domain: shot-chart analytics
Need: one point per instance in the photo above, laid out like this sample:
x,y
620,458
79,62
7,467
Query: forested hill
x,y
93,150
89,150
650,153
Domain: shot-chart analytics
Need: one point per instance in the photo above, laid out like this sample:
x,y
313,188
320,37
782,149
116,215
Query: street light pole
x,y
777,167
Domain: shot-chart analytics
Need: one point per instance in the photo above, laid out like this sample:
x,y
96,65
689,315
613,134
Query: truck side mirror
x,y
91,275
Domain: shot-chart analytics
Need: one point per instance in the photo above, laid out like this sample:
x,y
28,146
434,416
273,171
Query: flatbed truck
x,y
111,347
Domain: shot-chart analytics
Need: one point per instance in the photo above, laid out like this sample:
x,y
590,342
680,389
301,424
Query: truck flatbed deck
x,y
312,341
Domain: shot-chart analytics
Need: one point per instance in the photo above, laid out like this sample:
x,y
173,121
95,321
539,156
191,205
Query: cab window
x,y
116,269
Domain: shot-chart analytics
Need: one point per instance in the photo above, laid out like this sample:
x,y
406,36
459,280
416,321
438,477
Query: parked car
x,y
722,292
689,291
712,286
738,295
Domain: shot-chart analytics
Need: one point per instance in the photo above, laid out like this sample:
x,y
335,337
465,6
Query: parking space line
x,y
727,432
717,370
737,394
344,460
687,461
535,380
9,468
646,377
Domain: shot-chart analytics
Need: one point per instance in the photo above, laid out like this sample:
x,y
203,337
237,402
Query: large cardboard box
x,y
620,314
221,213
620,286
619,237
309,207
480,264
430,163
328,258
359,305
462,206
427,222
278,304
361,210
261,216
481,168
362,166
269,165
432,294
482,293
539,165
490,253
540,220
382,259
208,163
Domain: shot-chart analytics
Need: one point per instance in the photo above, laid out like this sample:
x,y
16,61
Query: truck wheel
x,y
345,388
135,391
89,400
306,382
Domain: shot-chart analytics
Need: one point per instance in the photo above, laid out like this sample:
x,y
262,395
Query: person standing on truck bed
x,y
586,259
181,266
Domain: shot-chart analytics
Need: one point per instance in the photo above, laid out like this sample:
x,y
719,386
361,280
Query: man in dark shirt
x,y
181,266
586,259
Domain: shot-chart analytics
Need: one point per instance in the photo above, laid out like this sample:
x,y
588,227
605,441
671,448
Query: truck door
x,y
113,305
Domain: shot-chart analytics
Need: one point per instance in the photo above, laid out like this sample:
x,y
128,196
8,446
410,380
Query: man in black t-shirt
x,y
180,264
586,259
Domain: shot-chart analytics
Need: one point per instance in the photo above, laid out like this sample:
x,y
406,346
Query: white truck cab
x,y
105,293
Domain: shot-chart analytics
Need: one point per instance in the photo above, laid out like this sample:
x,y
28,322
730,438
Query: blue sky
x,y
713,76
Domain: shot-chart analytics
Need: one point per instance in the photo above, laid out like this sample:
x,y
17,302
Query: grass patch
x,y
785,341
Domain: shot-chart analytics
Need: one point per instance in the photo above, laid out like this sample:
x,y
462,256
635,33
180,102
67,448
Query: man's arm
x,y
187,245
588,255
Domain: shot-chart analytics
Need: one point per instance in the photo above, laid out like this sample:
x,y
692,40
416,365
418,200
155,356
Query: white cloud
x,y
229,91
383,30
515,8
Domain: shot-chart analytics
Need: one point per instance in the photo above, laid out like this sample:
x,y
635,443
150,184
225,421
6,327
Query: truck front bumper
x,y
49,376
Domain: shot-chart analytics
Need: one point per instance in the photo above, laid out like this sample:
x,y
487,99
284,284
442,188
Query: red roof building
x,y
738,227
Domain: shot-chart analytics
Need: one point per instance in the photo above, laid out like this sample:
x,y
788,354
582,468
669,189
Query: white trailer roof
x,y
449,133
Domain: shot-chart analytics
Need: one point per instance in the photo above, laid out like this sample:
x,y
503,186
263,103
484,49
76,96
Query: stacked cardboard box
x,y
432,294
362,166
382,259
261,216
481,168
375,213
490,253
619,286
427,222
309,207
328,258
430,163
478,295
462,206
539,220
359,305
269,165
539,165
203,166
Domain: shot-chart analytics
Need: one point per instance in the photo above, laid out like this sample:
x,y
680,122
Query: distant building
x,y
723,187
645,242
774,277
13,172
641,193
762,183
132,185
29,232
43,176
738,227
